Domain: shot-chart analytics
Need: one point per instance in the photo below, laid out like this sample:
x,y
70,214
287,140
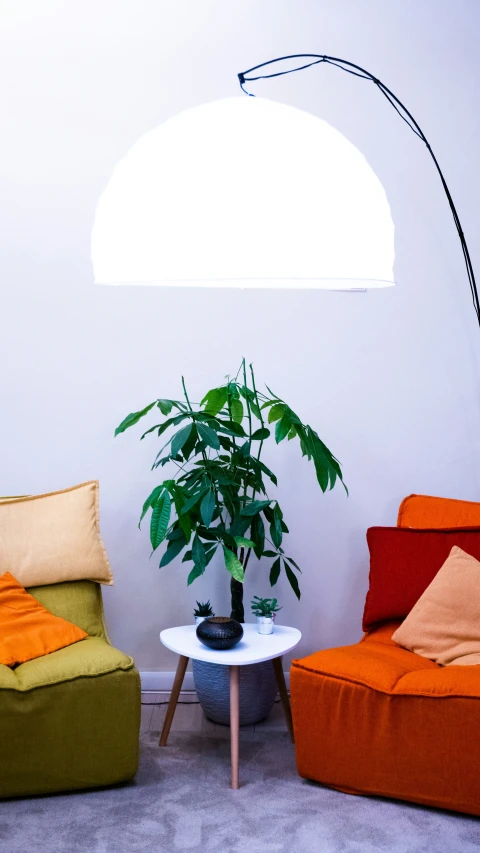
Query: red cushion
x,y
403,562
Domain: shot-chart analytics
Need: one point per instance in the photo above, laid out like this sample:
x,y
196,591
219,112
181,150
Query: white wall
x,y
390,379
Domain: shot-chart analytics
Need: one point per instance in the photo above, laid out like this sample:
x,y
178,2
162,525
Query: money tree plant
x,y
217,498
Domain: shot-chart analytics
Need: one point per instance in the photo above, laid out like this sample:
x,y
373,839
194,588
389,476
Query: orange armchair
x,y
374,718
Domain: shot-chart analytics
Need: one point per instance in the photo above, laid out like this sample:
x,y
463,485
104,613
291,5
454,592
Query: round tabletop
x,y
252,648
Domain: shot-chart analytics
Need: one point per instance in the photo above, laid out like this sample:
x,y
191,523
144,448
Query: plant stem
x,y
236,591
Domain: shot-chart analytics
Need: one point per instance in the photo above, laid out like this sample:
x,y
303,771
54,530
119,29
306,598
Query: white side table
x,y
252,648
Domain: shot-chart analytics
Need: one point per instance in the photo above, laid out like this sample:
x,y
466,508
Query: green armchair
x,y
70,719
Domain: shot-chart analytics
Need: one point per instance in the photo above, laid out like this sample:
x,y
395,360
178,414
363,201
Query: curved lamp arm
x,y
357,71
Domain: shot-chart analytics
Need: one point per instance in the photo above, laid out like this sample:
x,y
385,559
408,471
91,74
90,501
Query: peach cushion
x,y
54,537
444,624
27,629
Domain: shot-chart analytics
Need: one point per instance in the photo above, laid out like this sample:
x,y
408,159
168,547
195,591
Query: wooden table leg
x,y
282,689
177,686
234,722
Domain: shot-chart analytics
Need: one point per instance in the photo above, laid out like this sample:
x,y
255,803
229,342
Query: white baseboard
x,y
162,682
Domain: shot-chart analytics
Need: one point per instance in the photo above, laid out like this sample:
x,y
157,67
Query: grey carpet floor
x,y
180,801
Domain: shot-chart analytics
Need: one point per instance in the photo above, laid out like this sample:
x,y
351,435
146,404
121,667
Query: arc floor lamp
x,y
310,59
249,192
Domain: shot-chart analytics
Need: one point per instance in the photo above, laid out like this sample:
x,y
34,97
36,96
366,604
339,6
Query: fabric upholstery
x,y
78,601
70,719
77,733
444,625
403,562
46,539
27,629
87,659
428,511
374,718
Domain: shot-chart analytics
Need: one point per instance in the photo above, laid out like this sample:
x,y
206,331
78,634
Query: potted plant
x,y
202,611
216,499
265,609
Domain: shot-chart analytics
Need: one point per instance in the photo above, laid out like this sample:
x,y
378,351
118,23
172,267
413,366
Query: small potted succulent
x,y
265,609
202,610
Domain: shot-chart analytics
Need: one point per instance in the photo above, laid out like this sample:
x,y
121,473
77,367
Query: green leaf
x,y
148,431
258,535
198,553
292,432
224,536
254,507
190,443
210,552
215,400
192,500
248,395
269,554
289,560
276,533
260,434
276,412
244,543
236,410
132,419
174,548
233,565
196,572
176,533
267,471
151,500
165,406
179,439
268,513
276,527
209,436
160,519
162,427
292,580
207,508
239,525
230,428
283,426
244,451
271,392
275,572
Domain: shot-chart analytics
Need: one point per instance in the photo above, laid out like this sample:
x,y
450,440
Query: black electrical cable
x,y
402,111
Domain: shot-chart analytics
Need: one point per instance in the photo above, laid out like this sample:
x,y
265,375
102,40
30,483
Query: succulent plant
x,y
204,609
264,606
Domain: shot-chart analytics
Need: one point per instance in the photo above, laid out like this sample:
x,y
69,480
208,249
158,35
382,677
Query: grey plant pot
x,y
258,689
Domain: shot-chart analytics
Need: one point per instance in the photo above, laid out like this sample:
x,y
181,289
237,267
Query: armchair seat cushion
x,y
69,720
92,657
374,718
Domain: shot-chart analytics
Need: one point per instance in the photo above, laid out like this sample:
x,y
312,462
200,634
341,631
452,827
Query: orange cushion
x,y
428,511
374,718
27,629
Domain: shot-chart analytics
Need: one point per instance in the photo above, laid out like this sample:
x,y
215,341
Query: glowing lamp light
x,y
244,192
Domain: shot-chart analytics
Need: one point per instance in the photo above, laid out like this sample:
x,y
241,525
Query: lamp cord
x,y
402,111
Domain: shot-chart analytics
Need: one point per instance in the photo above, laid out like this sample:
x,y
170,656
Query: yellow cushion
x,y
55,537
27,629
444,624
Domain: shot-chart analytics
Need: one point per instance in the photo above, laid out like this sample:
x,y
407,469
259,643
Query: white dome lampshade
x,y
244,192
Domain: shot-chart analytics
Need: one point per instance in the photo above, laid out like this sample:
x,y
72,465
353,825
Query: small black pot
x,y
219,632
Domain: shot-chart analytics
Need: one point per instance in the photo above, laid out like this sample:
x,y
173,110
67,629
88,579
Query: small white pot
x,y
199,619
265,624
